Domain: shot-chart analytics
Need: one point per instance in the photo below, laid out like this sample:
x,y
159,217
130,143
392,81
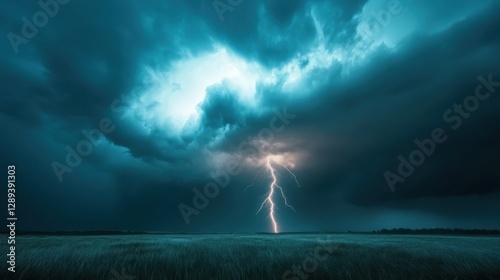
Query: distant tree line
x,y
459,231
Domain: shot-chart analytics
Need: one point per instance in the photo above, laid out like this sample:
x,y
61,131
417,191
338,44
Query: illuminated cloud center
x,y
172,101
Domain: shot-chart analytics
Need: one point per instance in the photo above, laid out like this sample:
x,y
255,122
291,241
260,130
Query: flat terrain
x,y
254,256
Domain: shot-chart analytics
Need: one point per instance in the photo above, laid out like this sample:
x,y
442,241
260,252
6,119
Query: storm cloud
x,y
165,94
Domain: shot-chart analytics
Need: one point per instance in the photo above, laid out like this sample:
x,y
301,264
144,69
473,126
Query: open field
x,y
255,256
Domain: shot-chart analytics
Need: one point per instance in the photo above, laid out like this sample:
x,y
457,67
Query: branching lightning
x,y
291,173
255,178
272,189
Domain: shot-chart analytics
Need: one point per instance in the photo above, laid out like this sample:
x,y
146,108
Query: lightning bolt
x,y
255,178
272,188
291,173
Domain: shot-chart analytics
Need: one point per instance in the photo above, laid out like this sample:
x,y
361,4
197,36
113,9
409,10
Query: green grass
x,y
257,256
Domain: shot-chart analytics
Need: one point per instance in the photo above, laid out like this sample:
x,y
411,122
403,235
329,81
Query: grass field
x,y
255,256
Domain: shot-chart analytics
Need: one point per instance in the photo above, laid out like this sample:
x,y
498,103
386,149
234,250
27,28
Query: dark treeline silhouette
x,y
439,231
91,232
443,231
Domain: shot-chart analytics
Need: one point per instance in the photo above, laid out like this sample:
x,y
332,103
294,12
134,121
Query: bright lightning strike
x,y
272,188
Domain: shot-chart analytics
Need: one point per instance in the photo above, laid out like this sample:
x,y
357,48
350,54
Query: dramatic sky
x,y
188,91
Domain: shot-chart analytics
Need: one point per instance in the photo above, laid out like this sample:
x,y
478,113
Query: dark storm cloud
x,y
417,85
352,120
220,108
91,53
395,99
